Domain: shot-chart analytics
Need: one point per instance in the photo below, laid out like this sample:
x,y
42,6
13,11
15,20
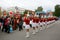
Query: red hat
x,y
11,12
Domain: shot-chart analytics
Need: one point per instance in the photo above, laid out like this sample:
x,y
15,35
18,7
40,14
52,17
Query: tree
x,y
57,10
39,9
25,12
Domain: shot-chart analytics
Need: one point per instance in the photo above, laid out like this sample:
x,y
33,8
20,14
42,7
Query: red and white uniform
x,y
48,21
24,21
37,21
41,22
53,19
27,23
34,22
31,18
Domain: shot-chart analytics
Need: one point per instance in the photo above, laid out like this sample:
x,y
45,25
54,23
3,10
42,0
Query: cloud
x,y
30,4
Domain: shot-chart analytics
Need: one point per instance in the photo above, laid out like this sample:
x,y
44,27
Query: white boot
x,y
27,34
34,32
41,29
45,26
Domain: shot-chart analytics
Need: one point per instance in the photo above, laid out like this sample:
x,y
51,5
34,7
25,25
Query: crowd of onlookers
x,y
8,24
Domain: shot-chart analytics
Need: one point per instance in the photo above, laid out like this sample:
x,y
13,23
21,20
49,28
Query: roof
x,y
41,12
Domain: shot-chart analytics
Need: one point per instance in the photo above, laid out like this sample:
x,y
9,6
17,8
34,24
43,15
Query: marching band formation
x,y
37,23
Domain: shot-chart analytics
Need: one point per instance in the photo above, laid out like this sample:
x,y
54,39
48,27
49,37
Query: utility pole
x,y
0,12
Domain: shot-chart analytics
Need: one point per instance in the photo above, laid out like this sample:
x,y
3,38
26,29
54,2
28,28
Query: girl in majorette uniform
x,y
37,23
25,15
44,24
31,17
41,24
43,21
48,20
27,25
34,24
53,19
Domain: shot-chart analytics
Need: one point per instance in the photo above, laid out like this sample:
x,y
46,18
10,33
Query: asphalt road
x,y
51,33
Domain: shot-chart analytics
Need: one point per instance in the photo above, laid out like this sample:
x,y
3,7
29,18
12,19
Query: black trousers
x,y
7,28
31,25
3,28
20,27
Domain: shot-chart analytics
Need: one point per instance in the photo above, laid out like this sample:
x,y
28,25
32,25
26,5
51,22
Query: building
x,y
30,12
14,9
21,10
41,13
49,13
1,11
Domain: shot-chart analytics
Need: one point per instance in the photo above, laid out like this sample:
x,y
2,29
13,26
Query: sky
x,y
30,4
